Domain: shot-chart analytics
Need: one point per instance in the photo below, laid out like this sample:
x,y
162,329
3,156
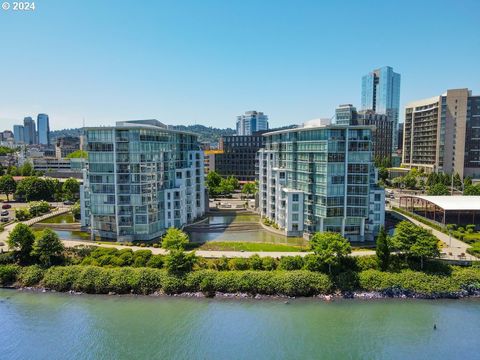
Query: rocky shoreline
x,y
357,295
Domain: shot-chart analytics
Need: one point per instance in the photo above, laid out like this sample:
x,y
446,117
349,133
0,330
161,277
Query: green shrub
x,y
219,264
347,281
255,262
30,275
238,264
312,262
141,257
123,280
290,263
269,263
8,274
61,278
366,262
92,280
156,261
7,258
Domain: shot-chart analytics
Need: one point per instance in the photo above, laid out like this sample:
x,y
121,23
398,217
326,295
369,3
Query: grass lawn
x,y
249,246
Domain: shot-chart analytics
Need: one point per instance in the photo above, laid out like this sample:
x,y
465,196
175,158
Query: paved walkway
x,y
209,254
9,228
454,249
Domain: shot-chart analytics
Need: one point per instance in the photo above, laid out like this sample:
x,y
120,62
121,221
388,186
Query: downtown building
x,y
321,177
29,131
141,178
251,122
442,134
237,156
381,94
382,132
43,129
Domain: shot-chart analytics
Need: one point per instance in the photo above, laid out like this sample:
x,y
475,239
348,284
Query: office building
x,y
18,134
66,145
250,122
347,114
7,134
381,94
29,131
43,129
441,134
141,179
321,177
238,156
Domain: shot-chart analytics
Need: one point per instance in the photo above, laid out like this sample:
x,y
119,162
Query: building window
x,y
295,197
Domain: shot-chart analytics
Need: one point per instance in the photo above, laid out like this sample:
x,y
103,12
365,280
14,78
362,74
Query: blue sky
x,y
204,62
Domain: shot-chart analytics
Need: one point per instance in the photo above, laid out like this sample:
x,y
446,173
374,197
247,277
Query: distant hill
x,y
205,133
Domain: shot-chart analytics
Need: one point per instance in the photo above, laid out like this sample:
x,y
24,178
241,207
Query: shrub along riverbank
x,y
125,280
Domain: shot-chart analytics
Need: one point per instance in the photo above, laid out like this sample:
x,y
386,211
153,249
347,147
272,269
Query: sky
x,y
205,62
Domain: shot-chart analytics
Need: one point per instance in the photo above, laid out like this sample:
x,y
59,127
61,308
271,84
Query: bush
x,y
366,262
37,208
8,274
30,275
347,281
256,262
269,263
22,214
156,261
7,258
238,264
61,278
290,263
312,262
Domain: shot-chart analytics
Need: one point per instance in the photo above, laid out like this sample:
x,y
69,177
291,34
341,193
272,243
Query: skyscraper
x,y
381,94
441,134
43,129
251,122
29,133
18,134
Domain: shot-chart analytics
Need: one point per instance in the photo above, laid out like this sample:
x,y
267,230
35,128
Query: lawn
x,y
249,246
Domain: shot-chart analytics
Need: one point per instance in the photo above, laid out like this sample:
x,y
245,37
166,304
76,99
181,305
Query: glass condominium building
x,y
141,178
321,177
43,129
381,94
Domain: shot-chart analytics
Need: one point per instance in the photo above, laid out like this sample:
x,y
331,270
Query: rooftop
x,y
455,202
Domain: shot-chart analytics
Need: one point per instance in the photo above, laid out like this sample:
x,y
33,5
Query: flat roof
x,y
454,202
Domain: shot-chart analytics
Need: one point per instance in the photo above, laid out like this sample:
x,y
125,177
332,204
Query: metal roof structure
x,y
454,202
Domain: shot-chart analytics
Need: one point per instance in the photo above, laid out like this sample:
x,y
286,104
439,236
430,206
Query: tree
x,y
426,245
71,189
234,182
383,249
213,182
438,189
415,241
472,190
48,247
26,169
33,188
249,189
175,239
77,154
330,247
7,185
178,262
21,239
226,187
457,181
76,210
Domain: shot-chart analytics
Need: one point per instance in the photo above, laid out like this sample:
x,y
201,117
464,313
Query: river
x,y
60,326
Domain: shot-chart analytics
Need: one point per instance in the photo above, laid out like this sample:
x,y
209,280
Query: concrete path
x,y
9,228
209,254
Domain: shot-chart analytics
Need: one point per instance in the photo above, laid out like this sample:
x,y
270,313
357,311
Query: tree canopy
x,y
330,247
175,239
8,186
48,247
21,239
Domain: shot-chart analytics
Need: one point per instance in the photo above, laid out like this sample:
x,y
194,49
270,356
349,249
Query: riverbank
x,y
367,284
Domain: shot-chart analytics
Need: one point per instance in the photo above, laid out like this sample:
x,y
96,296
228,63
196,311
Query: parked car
x,y
4,213
6,206
68,202
4,219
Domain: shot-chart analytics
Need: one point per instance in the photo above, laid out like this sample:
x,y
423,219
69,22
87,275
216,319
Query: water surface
x,y
59,326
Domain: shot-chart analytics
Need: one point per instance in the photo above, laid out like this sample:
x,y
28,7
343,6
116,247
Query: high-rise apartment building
x,y
141,179
442,134
251,122
347,114
381,94
43,129
66,145
321,177
29,134
18,134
